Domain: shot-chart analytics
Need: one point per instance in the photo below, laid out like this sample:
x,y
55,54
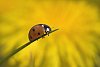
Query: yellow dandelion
x,y
76,44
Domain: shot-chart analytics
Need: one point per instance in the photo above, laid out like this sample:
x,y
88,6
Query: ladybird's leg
x,y
47,33
43,37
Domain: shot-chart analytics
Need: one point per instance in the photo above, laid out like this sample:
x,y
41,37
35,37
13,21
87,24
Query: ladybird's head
x,y
47,29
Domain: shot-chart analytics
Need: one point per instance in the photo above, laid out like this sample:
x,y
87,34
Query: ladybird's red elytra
x,y
38,30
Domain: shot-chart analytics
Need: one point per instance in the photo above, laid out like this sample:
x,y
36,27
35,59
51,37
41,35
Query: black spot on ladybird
x,y
38,33
33,29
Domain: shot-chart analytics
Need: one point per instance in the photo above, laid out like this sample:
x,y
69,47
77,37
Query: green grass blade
x,y
22,47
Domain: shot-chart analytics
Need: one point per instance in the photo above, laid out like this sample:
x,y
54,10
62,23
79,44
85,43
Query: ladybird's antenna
x,y
22,47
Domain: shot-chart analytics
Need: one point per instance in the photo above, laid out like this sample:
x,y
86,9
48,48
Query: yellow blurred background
x,y
75,44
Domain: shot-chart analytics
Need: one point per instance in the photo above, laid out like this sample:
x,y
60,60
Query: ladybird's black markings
x,y
33,29
38,33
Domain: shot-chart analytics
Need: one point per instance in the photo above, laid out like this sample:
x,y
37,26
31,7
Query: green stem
x,y
21,47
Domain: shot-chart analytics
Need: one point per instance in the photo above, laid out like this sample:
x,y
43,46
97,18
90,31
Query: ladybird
x,y
38,30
